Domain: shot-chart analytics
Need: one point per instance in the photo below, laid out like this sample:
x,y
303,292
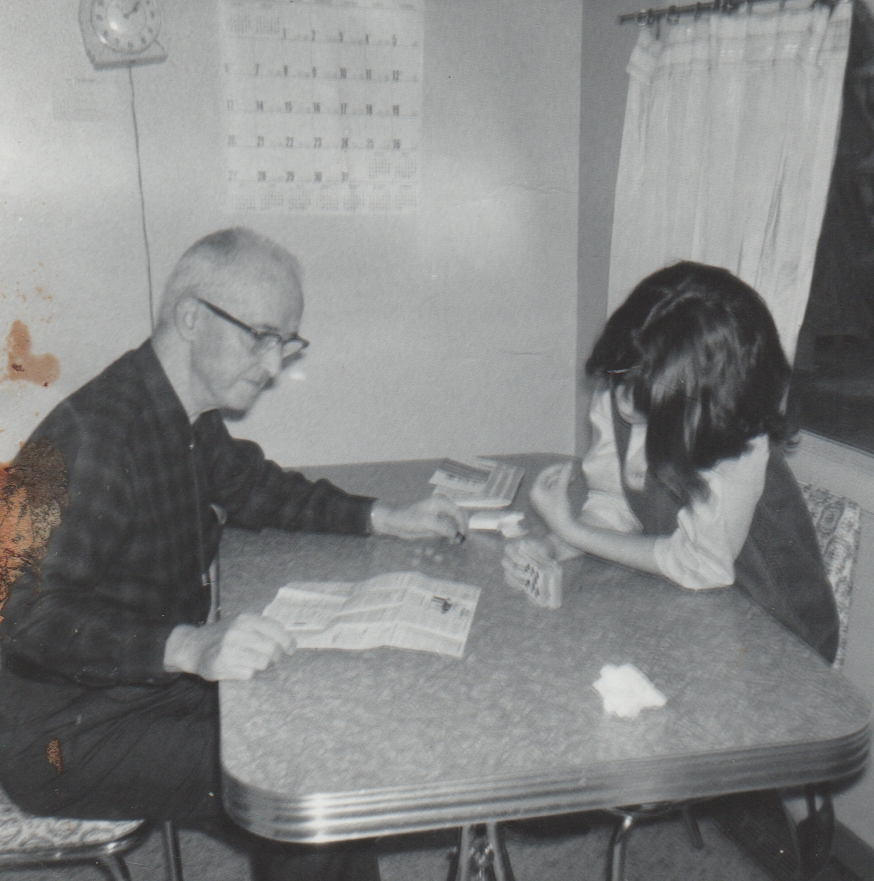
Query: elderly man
x,y
108,702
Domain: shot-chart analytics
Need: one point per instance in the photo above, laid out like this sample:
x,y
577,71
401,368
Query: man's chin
x,y
243,399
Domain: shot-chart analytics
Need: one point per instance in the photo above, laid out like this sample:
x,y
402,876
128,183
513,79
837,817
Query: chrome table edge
x,y
335,816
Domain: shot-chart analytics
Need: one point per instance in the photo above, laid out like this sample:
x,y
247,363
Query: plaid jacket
x,y
123,567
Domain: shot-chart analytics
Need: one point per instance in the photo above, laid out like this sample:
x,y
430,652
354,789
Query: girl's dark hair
x,y
700,353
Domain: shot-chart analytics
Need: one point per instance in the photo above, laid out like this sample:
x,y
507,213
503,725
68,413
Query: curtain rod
x,y
672,13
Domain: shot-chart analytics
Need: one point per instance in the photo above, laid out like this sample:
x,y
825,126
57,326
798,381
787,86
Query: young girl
x,y
686,476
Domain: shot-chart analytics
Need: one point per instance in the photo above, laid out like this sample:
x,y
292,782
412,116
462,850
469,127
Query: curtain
x,y
727,148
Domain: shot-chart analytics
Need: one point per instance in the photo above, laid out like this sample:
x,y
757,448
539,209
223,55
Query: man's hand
x,y
432,517
230,649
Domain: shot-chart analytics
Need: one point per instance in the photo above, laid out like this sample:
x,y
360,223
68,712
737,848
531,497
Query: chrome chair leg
x,y
114,866
170,834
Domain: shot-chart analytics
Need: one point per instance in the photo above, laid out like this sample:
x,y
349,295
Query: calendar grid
x,y
322,105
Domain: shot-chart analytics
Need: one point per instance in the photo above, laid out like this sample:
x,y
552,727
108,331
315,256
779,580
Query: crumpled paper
x,y
626,691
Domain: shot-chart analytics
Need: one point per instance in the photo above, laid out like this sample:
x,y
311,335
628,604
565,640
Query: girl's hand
x,y
549,495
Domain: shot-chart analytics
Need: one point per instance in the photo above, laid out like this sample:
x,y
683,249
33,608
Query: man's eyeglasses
x,y
263,341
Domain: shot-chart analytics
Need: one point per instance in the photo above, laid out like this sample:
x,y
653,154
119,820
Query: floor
x,y
557,851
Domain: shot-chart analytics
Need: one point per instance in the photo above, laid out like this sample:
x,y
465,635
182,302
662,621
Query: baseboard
x,y
852,852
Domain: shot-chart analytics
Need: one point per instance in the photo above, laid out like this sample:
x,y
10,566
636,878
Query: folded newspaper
x,y
480,483
405,610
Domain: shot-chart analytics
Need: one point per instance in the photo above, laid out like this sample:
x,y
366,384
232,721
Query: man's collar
x,y
158,386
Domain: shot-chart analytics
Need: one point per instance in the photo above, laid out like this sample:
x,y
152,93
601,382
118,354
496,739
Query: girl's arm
x,y
550,499
710,532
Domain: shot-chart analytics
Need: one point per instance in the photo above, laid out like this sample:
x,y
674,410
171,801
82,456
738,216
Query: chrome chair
x,y
29,842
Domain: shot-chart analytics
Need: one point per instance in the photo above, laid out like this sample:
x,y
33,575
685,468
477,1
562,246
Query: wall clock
x,y
121,32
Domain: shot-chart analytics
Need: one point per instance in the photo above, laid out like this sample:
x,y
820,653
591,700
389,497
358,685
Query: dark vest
x,y
779,566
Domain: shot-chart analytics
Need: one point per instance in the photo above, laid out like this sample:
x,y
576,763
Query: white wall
x,y
604,86
452,331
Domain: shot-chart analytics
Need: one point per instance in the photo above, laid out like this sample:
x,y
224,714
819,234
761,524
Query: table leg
x,y
481,855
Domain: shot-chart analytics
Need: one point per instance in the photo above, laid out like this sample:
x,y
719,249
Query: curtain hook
x,y
672,15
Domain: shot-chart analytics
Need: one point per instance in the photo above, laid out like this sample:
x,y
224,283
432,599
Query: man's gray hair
x,y
218,259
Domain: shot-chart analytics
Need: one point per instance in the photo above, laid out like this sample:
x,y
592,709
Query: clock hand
x,y
132,10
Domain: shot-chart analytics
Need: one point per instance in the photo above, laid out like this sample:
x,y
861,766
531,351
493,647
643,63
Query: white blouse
x,y
710,532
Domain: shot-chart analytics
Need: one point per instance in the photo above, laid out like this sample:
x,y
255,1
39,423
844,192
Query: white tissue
x,y
626,691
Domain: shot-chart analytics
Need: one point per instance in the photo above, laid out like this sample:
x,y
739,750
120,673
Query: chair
x,y
28,842
837,523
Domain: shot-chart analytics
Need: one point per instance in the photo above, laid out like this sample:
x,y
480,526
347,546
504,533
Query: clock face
x,y
126,26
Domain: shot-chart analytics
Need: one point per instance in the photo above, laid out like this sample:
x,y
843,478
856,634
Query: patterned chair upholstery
x,y
27,841
838,525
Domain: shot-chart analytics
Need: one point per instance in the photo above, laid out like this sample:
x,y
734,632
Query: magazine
x,y
405,610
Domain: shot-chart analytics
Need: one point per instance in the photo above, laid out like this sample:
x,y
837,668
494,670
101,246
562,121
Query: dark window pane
x,y
833,383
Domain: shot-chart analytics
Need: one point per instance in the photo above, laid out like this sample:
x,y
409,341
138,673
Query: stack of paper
x,y
481,483
406,610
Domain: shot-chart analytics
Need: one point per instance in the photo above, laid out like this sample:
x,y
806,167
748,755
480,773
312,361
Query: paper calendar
x,y
322,105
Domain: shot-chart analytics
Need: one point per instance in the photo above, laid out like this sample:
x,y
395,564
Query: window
x,y
833,381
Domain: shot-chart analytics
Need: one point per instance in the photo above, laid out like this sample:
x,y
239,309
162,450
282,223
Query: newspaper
x,y
480,483
405,610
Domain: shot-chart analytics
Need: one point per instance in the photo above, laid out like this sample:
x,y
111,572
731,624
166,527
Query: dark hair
x,y
700,353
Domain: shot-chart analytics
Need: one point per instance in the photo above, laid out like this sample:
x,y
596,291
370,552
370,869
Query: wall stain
x,y
22,364
33,493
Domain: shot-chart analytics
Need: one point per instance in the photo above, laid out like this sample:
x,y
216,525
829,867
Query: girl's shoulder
x,y
747,468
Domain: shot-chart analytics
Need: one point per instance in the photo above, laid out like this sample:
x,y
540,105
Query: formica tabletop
x,y
329,745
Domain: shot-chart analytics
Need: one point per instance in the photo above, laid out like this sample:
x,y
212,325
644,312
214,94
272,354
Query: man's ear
x,y
187,316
